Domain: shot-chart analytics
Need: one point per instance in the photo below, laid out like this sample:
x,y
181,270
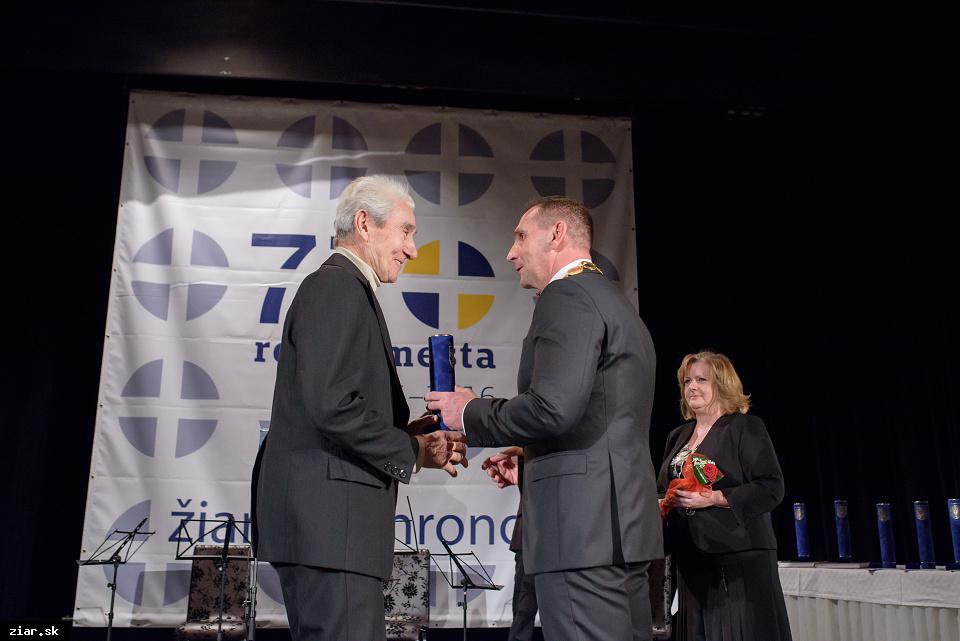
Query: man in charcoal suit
x,y
325,481
590,518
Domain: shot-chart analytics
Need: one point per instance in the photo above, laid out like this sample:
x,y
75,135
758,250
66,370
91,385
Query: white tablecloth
x,y
830,604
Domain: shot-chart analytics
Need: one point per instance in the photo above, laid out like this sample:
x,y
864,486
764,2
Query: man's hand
x,y
450,405
422,424
442,450
502,467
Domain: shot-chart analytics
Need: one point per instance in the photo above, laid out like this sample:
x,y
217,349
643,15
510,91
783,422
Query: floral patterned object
x,y
698,474
204,603
406,596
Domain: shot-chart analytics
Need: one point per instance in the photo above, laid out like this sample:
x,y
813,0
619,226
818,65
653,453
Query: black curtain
x,y
812,245
816,250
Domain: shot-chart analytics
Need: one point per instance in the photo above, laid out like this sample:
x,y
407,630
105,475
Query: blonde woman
x,y
721,539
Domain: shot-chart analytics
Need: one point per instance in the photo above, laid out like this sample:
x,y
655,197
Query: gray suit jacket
x,y
585,392
325,482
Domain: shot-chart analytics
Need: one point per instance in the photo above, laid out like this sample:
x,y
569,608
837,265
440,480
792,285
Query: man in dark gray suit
x,y
325,481
590,518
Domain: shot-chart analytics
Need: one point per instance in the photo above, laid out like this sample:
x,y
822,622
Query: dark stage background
x,y
795,182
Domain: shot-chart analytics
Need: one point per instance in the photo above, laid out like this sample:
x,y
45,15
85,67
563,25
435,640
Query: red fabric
x,y
688,483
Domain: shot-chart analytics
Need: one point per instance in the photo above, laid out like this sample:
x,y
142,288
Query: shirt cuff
x,y
420,454
463,413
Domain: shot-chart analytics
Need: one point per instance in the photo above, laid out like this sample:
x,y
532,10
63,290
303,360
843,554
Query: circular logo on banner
x,y
192,433
428,142
201,297
166,170
593,153
425,306
298,177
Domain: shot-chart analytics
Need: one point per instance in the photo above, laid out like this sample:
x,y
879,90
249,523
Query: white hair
x,y
377,195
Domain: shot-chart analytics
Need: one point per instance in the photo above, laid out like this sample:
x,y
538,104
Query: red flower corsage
x,y
698,474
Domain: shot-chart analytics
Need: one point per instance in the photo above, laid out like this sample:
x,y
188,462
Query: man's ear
x,y
559,233
361,224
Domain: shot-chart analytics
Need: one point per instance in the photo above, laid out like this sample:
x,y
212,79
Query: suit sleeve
x,y
762,489
335,344
568,333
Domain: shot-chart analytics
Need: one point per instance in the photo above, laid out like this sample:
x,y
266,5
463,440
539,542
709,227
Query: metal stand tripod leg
x,y
464,613
113,596
252,603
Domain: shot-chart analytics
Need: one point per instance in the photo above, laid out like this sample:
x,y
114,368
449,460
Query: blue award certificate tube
x,y
921,515
800,526
953,515
442,362
844,549
888,552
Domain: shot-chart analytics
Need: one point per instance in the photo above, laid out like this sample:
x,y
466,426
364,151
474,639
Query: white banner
x,y
226,204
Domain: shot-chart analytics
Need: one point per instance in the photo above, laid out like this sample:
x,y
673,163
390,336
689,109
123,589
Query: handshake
x,y
442,449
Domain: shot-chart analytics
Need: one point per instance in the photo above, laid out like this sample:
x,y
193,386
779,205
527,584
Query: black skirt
x,y
729,597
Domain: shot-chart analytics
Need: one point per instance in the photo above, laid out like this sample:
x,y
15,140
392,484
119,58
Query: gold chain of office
x,y
584,266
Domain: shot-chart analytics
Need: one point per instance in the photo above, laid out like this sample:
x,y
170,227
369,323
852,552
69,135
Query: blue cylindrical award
x,y
953,515
888,553
844,549
800,526
921,515
442,362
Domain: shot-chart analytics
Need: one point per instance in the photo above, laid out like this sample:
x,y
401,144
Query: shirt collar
x,y
563,270
364,268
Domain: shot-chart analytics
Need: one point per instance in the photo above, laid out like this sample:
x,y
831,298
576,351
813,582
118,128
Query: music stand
x,y
229,526
483,580
116,560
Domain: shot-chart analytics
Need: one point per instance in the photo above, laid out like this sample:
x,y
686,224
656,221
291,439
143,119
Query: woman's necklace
x,y
685,451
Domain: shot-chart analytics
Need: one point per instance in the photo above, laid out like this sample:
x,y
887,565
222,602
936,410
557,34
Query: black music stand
x,y
476,579
116,559
229,526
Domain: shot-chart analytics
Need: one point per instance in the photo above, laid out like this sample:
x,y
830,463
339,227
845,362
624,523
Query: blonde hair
x,y
726,383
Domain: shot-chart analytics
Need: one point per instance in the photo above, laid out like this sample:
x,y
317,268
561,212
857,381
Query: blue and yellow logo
x,y
471,308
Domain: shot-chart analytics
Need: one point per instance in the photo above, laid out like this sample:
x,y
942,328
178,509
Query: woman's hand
x,y
698,500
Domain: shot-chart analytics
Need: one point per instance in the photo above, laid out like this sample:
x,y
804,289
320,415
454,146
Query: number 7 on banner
x,y
304,243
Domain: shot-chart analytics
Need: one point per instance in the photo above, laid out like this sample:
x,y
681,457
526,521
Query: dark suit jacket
x,y
585,388
752,484
325,488
516,539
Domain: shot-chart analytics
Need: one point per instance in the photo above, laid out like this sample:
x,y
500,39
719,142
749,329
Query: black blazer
x,y
752,485
325,484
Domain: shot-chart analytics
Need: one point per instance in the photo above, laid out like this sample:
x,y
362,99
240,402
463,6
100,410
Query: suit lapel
x,y
682,439
339,260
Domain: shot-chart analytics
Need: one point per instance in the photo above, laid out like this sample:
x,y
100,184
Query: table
x,y
834,604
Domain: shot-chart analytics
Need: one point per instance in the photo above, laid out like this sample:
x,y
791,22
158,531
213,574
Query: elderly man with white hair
x,y
325,482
